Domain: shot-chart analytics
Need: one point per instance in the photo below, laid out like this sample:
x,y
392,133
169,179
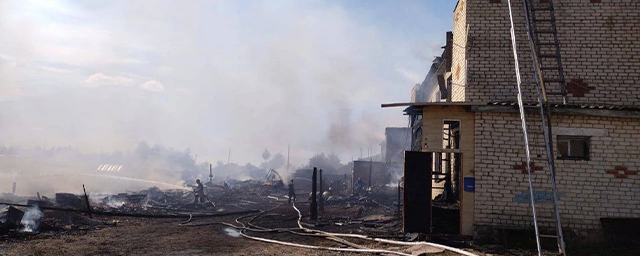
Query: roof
x,y
576,106
512,107
424,104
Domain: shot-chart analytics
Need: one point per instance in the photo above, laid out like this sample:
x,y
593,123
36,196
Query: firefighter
x,y
292,192
199,191
359,186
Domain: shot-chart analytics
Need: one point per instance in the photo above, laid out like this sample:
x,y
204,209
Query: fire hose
x,y
318,233
243,228
359,249
380,239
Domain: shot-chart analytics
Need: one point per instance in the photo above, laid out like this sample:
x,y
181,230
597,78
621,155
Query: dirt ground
x,y
149,237
208,236
136,236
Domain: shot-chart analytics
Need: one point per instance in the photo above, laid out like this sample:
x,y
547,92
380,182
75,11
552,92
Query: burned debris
x,y
368,213
523,133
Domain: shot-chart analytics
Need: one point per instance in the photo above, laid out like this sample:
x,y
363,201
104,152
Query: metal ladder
x,y
542,80
546,52
548,78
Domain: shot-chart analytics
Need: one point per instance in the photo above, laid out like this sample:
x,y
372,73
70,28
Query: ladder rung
x,y
549,236
550,68
544,31
544,20
547,219
542,9
553,80
555,93
548,56
548,44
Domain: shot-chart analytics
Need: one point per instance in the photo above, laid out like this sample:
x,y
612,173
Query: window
x,y
573,147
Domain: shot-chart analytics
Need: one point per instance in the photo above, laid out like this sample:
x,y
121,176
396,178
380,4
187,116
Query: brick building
x,y
468,117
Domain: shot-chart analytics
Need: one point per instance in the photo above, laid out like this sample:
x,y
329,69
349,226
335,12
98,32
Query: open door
x,y
416,214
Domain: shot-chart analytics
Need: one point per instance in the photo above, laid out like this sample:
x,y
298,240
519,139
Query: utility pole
x,y
360,153
288,150
229,158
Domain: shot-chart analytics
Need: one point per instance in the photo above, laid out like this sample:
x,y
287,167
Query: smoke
x,y
208,76
31,219
346,134
53,170
114,202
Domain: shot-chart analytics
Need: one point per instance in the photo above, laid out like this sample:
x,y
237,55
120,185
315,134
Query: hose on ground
x,y
243,228
257,228
456,250
187,221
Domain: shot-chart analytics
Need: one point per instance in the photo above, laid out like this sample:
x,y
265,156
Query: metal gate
x,y
416,214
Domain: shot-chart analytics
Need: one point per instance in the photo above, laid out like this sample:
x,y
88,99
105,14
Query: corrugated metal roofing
x,y
578,106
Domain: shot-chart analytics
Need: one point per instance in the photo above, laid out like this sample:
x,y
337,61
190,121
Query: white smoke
x,y
291,57
31,220
114,202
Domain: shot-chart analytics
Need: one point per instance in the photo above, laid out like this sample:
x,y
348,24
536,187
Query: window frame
x,y
444,121
569,139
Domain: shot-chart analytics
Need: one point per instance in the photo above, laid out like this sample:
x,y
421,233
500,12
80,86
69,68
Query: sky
x,y
213,75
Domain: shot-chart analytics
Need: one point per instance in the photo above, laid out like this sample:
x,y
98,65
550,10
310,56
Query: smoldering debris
x,y
10,217
31,219
369,212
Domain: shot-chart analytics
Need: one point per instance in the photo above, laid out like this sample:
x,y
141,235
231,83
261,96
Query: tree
x,y
266,154
329,163
277,161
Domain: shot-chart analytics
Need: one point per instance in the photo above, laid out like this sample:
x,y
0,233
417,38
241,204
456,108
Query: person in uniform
x,y
292,192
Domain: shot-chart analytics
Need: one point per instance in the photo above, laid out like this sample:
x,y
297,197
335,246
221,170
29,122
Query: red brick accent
x,y
495,1
523,167
578,87
621,172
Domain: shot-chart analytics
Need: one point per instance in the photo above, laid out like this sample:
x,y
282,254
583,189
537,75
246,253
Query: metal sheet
x,y
416,214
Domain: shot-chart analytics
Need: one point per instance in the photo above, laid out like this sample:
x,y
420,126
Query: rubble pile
x,y
370,212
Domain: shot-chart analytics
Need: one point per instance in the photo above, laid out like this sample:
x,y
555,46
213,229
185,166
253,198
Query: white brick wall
x,y
459,62
588,192
600,44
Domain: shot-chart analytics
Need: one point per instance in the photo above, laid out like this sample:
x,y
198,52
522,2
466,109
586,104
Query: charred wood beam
x,y
314,189
139,215
321,202
86,200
